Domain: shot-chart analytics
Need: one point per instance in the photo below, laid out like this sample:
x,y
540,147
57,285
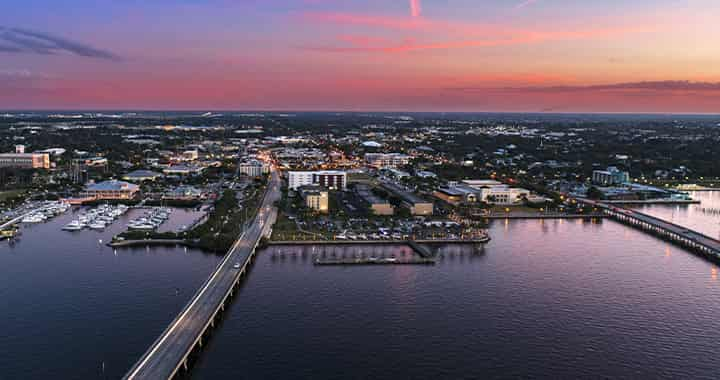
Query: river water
x,y
70,305
703,217
550,299
553,299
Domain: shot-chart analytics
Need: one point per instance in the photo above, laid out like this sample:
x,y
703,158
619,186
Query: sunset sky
x,y
384,55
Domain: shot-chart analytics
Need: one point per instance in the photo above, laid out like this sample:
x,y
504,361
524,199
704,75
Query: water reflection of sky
x,y
704,218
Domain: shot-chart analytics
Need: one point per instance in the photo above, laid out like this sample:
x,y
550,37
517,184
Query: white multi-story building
x,y
331,179
25,160
253,168
386,160
490,191
611,176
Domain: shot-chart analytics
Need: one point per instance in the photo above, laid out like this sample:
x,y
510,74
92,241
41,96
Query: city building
x,y
377,205
415,204
111,190
96,162
25,160
386,160
183,193
253,168
331,179
190,155
142,175
183,170
611,176
316,198
489,191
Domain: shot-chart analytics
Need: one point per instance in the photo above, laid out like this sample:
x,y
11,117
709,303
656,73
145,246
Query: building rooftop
x,y
112,185
142,174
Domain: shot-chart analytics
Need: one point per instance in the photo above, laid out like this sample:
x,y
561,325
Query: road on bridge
x,y
169,352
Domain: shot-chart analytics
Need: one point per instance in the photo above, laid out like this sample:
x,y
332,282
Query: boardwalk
x,y
169,353
693,240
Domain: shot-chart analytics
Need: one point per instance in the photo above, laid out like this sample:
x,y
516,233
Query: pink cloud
x,y
525,3
504,38
415,8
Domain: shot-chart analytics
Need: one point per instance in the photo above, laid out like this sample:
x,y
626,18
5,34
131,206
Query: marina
x,y
151,220
97,218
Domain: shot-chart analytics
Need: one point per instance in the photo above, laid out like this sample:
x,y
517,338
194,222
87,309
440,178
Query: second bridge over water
x,y
683,236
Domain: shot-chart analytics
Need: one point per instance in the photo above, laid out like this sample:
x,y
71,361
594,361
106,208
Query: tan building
x,y
25,160
316,198
111,190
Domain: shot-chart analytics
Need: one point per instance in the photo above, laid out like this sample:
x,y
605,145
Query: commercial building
x,y
142,175
386,160
415,204
611,176
25,160
190,155
111,190
489,191
183,193
316,198
331,179
96,162
377,205
253,168
183,170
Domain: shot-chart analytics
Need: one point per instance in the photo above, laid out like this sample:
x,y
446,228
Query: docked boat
x,y
75,225
97,225
34,218
142,227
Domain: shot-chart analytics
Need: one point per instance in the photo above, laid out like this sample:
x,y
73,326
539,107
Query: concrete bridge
x,y
170,352
683,236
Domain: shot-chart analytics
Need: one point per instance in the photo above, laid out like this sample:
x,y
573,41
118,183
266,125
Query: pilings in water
x,y
694,241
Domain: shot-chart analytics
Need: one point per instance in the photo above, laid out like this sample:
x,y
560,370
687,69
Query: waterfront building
x,y
415,204
489,191
331,179
111,190
183,193
25,160
611,176
386,160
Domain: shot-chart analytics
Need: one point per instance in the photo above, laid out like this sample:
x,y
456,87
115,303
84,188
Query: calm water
x,y
553,299
704,217
70,303
557,299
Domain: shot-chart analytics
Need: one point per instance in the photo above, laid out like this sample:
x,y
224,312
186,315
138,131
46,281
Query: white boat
x,y
73,226
97,225
142,227
34,218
